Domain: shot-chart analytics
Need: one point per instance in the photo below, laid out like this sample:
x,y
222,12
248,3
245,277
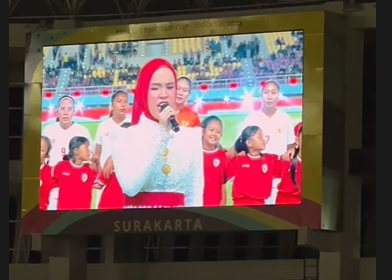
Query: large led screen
x,y
192,122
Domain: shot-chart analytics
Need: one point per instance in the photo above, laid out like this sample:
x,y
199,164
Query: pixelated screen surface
x,y
193,122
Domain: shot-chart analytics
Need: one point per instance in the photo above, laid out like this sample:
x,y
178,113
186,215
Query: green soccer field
x,y
230,133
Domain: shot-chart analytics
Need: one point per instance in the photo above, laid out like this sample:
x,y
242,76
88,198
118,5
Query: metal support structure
x,y
22,244
138,6
153,244
131,8
204,5
119,8
25,11
70,7
12,5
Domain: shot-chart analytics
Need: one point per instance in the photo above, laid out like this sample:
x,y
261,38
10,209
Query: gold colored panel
x,y
311,23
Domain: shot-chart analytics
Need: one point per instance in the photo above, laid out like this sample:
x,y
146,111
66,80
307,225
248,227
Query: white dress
x,y
147,158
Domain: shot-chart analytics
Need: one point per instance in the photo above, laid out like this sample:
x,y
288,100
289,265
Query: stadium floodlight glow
x,y
51,109
199,102
79,107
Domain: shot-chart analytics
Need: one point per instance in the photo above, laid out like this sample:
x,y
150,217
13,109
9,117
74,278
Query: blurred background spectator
x,y
218,58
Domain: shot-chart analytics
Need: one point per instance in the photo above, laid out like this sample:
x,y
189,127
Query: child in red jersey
x,y
290,172
45,175
253,172
214,163
74,177
112,196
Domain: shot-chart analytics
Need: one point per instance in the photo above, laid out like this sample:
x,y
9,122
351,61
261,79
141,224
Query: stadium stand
x,y
275,43
225,57
180,46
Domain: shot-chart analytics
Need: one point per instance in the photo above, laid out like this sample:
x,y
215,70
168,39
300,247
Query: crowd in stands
x,y
215,64
104,75
223,61
288,59
51,75
125,49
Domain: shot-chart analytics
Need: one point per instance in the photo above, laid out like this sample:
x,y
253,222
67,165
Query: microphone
x,y
172,119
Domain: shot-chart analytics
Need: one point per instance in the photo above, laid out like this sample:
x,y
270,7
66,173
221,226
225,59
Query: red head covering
x,y
297,129
140,102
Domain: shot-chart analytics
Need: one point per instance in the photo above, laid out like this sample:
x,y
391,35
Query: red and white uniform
x,y
112,196
60,139
214,177
75,185
103,138
253,178
289,190
46,186
278,130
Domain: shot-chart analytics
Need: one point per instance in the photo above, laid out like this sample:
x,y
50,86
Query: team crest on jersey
x,y
264,168
216,162
84,177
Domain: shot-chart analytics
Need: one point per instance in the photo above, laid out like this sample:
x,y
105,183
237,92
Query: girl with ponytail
x,y
252,170
74,177
290,172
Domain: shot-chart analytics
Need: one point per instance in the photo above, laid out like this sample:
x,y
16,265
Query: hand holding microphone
x,y
167,117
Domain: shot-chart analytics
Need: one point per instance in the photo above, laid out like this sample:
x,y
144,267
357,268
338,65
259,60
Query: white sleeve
x,y
290,132
86,133
135,152
195,190
45,131
53,199
98,136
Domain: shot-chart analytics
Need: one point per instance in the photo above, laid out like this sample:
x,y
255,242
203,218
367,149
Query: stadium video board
x,y
210,121
193,122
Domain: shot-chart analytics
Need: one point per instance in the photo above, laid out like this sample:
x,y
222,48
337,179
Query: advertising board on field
x,y
194,125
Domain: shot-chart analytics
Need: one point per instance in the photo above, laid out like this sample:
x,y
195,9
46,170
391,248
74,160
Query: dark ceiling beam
x,y
28,11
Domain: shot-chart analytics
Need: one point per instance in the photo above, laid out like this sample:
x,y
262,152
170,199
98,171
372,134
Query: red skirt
x,y
248,201
285,198
155,200
112,197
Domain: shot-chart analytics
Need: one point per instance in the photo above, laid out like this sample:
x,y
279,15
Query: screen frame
x,y
308,214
